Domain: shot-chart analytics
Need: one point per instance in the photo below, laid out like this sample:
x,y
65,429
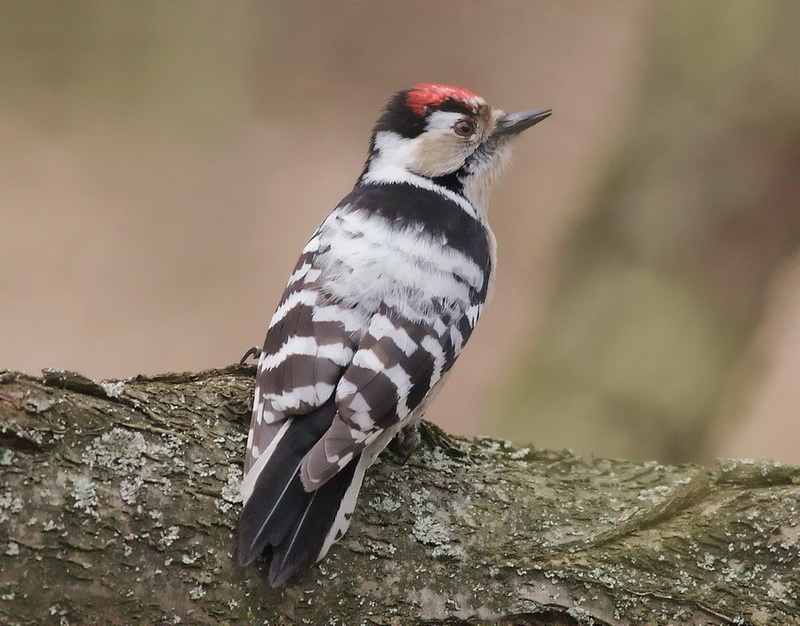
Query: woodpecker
x,y
380,304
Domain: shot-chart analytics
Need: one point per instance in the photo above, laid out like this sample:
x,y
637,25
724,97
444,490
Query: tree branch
x,y
119,500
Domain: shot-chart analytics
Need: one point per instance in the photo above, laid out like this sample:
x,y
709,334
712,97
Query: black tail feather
x,y
281,513
303,545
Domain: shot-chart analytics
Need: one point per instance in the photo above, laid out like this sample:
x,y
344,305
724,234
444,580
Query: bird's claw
x,y
405,442
254,352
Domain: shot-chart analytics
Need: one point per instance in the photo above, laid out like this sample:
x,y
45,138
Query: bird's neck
x,y
471,184
378,173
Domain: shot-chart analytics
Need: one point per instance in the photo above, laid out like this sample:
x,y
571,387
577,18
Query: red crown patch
x,y
423,95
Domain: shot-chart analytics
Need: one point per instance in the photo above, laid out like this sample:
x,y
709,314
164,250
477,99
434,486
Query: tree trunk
x,y
119,500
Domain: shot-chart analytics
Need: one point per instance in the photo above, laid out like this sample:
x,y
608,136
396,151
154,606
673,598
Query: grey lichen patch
x,y
421,503
449,550
523,454
172,449
122,453
9,503
113,389
492,446
190,559
230,494
654,494
168,537
431,528
437,460
120,450
84,494
430,531
50,526
384,504
129,488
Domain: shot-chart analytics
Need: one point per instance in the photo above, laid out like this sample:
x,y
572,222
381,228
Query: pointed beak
x,y
514,123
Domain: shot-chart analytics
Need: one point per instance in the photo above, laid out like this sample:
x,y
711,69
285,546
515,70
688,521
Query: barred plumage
x,y
379,306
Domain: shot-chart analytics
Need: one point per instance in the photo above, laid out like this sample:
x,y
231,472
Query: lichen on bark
x,y
118,502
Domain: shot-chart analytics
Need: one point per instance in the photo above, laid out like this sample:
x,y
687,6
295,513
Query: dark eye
x,y
464,128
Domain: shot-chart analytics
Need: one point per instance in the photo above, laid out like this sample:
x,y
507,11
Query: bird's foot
x,y
405,442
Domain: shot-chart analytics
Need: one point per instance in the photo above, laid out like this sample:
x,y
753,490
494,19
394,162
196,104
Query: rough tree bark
x,y
119,499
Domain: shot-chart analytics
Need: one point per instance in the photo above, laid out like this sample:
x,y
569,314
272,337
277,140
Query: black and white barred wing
x,y
308,345
397,365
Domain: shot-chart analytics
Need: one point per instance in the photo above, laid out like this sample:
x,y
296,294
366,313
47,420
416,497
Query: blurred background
x,y
162,165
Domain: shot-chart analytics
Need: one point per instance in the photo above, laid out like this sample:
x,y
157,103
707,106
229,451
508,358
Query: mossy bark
x,y
119,500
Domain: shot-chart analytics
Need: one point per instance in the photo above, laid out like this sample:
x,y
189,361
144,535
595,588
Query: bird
x,y
381,302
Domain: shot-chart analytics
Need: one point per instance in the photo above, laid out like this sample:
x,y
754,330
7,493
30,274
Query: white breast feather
x,y
371,262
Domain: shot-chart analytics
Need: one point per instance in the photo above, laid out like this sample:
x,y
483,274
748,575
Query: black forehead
x,y
399,118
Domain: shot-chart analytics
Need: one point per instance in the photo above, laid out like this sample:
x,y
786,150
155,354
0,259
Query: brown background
x,y
162,164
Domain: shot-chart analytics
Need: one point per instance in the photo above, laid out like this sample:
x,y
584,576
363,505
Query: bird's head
x,y
444,133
